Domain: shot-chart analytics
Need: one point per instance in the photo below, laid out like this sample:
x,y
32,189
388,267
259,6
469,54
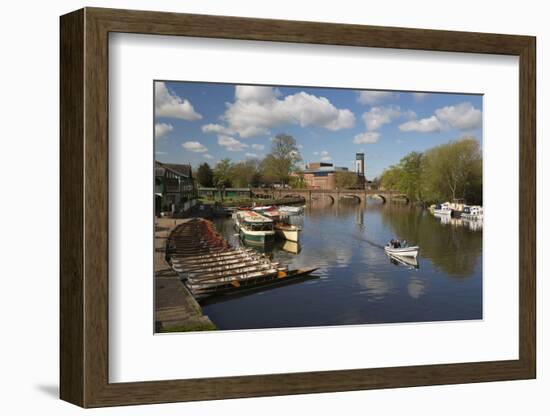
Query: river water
x,y
358,283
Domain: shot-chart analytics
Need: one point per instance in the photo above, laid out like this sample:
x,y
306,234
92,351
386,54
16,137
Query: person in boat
x,y
394,243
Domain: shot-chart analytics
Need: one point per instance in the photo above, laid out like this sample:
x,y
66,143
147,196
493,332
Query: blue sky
x,y
206,122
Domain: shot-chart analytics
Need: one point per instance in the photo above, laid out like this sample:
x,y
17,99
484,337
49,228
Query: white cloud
x,y
216,128
315,153
373,97
251,155
256,146
299,146
168,104
258,94
420,96
324,153
425,125
258,109
231,144
367,137
161,129
194,147
326,159
207,156
462,116
376,117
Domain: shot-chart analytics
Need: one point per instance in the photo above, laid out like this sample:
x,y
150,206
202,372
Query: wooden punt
x,y
208,297
231,273
235,286
222,255
214,262
234,281
219,266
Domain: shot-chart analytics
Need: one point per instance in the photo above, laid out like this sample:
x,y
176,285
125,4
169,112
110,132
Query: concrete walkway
x,y
175,308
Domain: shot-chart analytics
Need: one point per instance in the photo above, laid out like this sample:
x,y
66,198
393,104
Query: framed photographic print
x,y
255,207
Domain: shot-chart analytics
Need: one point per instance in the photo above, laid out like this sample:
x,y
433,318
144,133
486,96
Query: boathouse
x,y
175,189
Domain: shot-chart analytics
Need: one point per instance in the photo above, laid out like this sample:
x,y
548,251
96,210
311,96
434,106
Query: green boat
x,y
254,228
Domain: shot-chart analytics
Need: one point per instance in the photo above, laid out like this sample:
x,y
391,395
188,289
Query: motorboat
x,y
398,249
444,209
291,210
474,212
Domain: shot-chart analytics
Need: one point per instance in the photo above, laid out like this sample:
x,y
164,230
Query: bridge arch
x,y
352,196
380,196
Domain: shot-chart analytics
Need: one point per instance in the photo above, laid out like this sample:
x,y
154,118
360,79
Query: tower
x,y
360,169
360,164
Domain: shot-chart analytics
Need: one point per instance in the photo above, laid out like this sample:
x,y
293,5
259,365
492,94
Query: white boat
x,y
254,228
288,231
411,251
291,247
291,210
262,208
474,212
410,262
443,209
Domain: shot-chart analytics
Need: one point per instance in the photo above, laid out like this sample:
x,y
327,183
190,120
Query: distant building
x,y
322,175
175,189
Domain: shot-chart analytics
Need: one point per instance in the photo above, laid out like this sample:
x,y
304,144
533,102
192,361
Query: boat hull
x,y
257,238
290,235
402,252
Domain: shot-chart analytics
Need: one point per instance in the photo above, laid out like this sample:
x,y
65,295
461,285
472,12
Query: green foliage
x,y
297,181
445,172
222,174
205,175
282,159
246,174
345,180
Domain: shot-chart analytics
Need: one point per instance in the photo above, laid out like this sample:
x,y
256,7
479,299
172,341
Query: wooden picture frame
x,y
84,207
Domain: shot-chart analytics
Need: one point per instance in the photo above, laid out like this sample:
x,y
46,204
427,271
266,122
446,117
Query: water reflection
x,y
359,283
417,287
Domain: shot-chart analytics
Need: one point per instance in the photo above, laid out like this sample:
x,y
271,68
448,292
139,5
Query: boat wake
x,y
372,243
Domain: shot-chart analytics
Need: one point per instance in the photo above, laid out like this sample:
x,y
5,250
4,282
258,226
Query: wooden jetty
x,y
211,267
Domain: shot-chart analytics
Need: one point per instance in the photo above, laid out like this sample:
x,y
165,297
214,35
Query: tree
x,y
297,181
222,174
282,160
246,173
205,175
345,180
454,170
410,179
445,172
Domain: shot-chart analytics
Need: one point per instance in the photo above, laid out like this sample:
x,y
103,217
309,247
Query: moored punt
x,y
227,253
224,268
219,257
214,263
239,288
228,274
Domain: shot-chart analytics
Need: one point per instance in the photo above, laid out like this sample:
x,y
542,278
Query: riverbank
x,y
175,308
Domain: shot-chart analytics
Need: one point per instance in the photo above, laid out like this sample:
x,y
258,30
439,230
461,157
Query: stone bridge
x,y
334,195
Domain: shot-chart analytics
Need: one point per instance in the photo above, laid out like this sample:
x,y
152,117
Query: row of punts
x,y
209,266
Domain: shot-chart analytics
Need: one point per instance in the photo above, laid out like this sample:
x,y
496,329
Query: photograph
x,y
283,206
